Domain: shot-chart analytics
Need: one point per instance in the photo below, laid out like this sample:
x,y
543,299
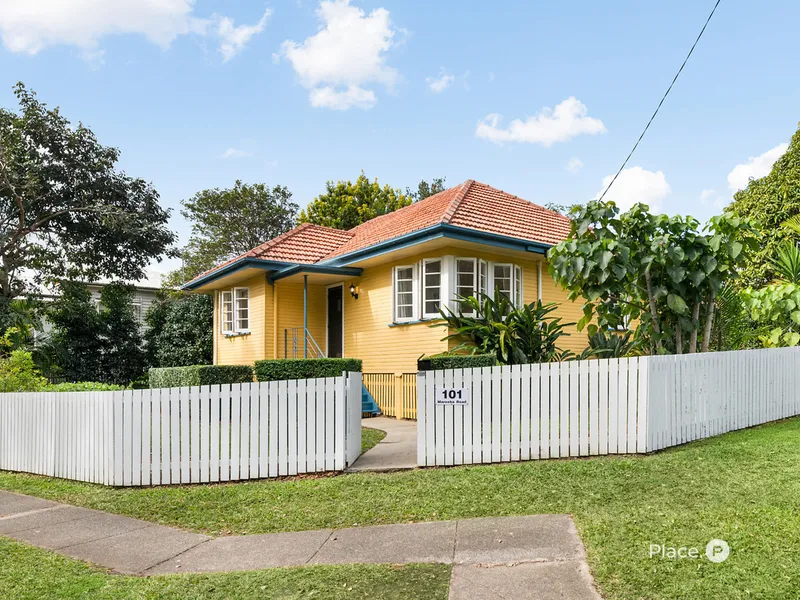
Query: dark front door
x,y
335,333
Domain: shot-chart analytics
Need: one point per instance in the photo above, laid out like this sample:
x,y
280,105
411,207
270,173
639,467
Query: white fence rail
x,y
598,407
184,435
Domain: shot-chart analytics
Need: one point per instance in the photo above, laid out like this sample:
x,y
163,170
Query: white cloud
x,y
574,165
233,38
709,196
235,153
706,194
345,57
755,167
636,184
29,27
440,83
550,125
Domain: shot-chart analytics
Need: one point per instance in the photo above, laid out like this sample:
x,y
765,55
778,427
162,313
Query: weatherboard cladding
x,y
470,205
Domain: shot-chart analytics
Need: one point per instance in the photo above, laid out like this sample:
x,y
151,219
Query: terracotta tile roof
x,y
471,205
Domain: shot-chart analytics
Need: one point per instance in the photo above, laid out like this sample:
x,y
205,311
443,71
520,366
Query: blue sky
x,y
198,94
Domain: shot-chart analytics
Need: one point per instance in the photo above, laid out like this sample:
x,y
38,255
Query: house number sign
x,y
452,396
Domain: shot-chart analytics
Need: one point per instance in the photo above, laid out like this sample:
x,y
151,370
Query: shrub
x,y
82,386
614,344
304,368
18,373
180,330
200,375
448,360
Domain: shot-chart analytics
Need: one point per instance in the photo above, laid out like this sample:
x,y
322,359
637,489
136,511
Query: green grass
x,y
370,438
743,487
30,573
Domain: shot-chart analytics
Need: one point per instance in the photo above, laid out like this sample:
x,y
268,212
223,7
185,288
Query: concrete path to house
x,y
507,558
398,450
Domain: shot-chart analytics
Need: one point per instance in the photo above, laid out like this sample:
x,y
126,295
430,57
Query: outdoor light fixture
x,y
354,291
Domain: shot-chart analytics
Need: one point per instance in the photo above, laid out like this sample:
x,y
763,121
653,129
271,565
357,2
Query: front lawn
x,y
370,438
27,573
743,487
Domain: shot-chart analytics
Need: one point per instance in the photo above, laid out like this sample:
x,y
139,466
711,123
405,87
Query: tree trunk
x,y
678,338
695,327
652,303
709,321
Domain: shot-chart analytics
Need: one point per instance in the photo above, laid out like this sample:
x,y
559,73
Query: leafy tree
x,y
514,335
345,204
425,189
771,201
229,222
661,271
123,358
180,330
564,209
65,211
77,333
18,372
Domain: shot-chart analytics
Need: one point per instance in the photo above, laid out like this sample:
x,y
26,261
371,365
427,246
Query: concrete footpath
x,y
537,556
398,450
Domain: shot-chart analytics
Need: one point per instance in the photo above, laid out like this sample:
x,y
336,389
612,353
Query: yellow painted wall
x,y
290,313
246,349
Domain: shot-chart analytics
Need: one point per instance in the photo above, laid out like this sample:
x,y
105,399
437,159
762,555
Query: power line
x,y
674,79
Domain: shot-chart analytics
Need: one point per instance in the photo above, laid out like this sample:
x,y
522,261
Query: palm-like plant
x,y
515,335
615,344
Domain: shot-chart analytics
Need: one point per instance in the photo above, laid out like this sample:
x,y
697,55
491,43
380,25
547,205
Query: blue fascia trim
x,y
244,263
324,269
439,231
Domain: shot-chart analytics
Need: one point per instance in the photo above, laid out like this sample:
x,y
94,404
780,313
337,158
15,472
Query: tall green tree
x,y
771,200
346,204
66,211
180,330
425,189
663,272
123,356
228,222
77,333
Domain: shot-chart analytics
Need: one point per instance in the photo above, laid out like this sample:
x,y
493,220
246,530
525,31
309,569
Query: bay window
x,y
502,281
226,311
234,311
431,288
466,278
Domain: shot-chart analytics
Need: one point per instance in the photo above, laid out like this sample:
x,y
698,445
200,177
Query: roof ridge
x,y
451,209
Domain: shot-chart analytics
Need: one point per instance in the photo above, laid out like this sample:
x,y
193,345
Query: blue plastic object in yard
x,y
368,404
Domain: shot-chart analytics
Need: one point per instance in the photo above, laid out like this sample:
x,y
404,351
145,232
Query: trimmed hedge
x,y
304,368
83,386
200,375
456,361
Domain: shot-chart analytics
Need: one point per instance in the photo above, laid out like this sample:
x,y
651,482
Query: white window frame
x,y
396,318
236,308
510,266
475,277
137,311
519,289
224,322
483,274
424,287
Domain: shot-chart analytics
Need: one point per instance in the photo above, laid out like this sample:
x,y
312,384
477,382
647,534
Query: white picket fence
x,y
599,407
184,435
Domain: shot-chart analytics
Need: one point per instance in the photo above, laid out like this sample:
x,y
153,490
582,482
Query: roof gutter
x,y
441,230
242,263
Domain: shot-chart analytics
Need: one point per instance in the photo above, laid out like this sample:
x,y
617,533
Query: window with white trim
x,y
502,280
241,298
466,280
226,311
482,278
404,293
518,286
431,287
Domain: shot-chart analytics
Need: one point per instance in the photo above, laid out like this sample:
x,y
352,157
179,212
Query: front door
x,y
335,330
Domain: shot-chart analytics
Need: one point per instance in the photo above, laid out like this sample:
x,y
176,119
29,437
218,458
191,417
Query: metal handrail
x,y
314,351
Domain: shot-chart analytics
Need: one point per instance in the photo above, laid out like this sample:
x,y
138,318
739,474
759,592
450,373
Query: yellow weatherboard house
x,y
373,291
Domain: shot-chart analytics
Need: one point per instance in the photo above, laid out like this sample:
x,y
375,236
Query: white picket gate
x,y
184,435
598,407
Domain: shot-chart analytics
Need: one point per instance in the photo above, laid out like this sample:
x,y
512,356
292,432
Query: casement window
x,y
404,286
137,312
502,280
226,311
431,288
241,298
483,277
518,299
466,280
